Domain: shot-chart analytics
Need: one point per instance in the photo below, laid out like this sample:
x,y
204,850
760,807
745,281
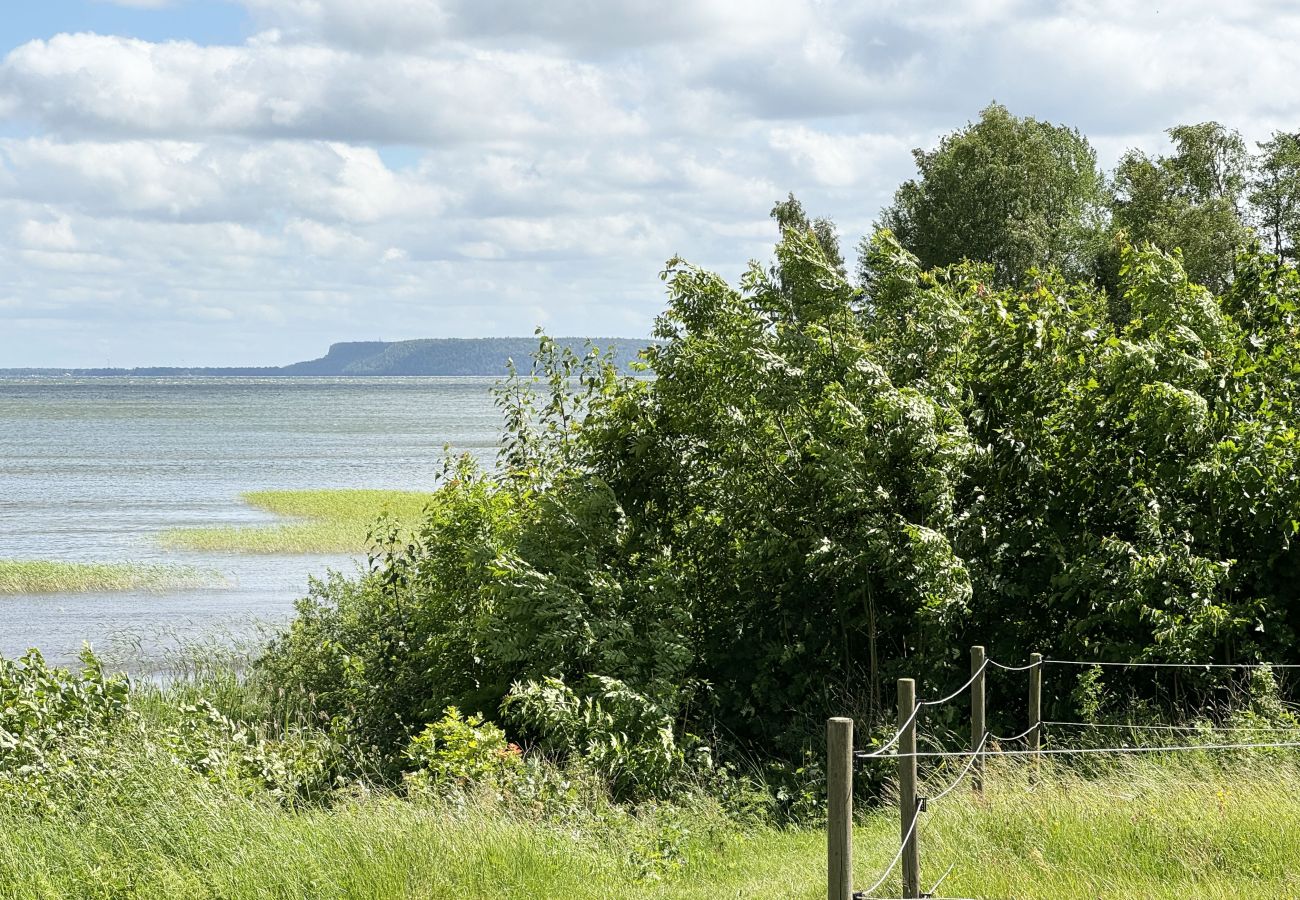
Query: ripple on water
x,y
94,470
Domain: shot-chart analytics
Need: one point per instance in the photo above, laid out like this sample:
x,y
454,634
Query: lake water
x,y
96,469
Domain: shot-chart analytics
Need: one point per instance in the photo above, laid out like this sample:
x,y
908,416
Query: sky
x,y
244,182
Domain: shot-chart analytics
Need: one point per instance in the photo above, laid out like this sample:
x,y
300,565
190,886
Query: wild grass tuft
x,y
52,577
329,521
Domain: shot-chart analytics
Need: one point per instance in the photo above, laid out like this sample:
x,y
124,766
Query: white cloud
x,y
191,181
838,160
87,84
67,261
409,168
54,234
583,26
323,240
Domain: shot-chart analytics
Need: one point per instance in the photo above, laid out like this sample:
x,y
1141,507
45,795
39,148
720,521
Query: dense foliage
x,y
1014,425
1022,195
1015,193
1194,200
1050,411
827,485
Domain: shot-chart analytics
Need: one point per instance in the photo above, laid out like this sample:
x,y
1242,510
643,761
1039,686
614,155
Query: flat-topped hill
x,y
428,356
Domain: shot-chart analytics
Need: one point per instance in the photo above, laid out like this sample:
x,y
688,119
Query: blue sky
x,y
213,22
244,182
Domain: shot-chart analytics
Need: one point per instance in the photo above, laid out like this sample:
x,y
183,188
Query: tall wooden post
x,y
1036,704
907,803
977,731
839,812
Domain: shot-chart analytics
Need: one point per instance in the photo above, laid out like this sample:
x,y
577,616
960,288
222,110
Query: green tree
x,y
826,486
1275,193
1016,193
1192,201
789,215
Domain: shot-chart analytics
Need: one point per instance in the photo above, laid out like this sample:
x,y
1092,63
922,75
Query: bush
x,y
390,651
300,765
57,728
623,735
456,752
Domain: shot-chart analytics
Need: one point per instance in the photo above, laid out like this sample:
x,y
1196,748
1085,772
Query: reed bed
x,y
325,521
54,577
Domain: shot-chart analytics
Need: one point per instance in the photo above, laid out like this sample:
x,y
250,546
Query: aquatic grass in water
x,y
53,577
330,521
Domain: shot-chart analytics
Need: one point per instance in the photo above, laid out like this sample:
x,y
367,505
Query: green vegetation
x,y
1192,200
1024,195
1049,198
828,486
604,666
334,521
50,577
1148,831
155,794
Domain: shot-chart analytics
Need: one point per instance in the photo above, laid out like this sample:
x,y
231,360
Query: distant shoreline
x,y
429,356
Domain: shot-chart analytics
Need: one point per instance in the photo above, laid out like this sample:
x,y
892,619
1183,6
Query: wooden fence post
x,y
907,802
839,812
1036,704
977,732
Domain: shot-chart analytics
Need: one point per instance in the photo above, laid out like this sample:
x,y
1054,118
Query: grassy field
x,y
327,521
1172,829
45,577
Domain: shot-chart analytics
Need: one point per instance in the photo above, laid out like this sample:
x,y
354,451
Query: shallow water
x,y
96,469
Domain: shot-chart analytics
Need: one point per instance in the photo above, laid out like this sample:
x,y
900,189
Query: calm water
x,y
96,469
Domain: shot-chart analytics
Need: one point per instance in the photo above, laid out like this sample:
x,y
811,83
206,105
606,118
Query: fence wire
x,y
916,818
1084,751
1178,728
961,690
880,751
981,751
1168,665
1016,737
970,763
1005,668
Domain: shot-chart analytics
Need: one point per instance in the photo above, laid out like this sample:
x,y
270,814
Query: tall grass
x,y
1172,828
47,576
328,521
1204,826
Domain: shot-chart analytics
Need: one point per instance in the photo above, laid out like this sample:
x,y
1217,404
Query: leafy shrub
x,y
393,649
625,736
458,752
57,727
300,765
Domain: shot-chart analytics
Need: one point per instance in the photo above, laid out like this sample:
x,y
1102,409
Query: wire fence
x,y
879,752
982,750
1083,663
970,764
1085,751
957,693
916,820
1193,729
